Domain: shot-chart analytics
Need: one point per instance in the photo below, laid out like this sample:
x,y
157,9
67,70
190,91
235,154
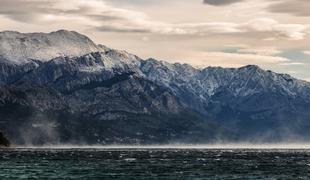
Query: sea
x,y
154,163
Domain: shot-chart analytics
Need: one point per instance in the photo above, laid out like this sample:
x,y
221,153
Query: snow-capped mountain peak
x,y
19,48
66,72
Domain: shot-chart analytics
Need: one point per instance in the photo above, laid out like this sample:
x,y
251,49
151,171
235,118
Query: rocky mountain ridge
x,y
85,92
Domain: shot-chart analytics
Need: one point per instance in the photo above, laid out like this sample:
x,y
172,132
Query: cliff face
x,y
133,111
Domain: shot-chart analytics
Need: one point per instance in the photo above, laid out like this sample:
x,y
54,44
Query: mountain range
x,y
61,87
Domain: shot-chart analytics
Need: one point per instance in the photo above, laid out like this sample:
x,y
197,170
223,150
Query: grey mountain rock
x,y
65,88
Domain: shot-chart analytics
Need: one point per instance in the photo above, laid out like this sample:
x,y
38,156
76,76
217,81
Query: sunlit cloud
x,y
292,64
265,51
203,59
105,18
306,52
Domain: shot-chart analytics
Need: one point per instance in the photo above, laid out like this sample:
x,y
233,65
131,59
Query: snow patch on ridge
x,y
19,48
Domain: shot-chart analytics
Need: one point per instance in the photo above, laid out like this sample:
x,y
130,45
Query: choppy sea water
x,y
154,163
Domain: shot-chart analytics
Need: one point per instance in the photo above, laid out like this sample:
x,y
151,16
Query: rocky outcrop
x,y
4,142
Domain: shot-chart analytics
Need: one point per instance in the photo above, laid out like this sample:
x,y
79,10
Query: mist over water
x,y
176,146
162,161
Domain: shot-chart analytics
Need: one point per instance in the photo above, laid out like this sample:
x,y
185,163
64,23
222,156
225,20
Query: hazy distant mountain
x,y
61,87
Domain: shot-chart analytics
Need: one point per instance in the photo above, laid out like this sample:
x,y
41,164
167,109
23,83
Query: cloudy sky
x,y
274,34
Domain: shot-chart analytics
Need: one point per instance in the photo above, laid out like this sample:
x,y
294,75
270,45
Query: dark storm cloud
x,y
221,2
294,7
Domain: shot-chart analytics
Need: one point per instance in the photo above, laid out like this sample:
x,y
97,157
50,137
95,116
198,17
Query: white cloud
x,y
306,52
90,12
229,59
267,25
292,64
265,51
100,16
